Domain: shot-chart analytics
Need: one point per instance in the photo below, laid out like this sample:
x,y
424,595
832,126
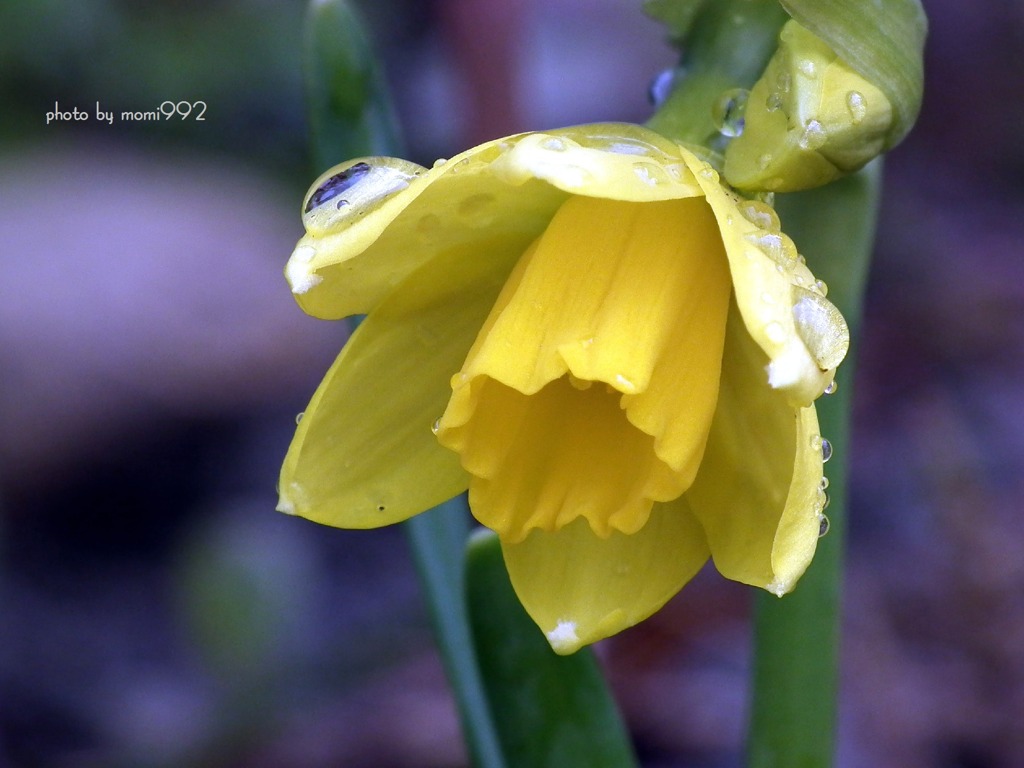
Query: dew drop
x,y
820,327
728,111
821,287
650,174
783,82
334,185
824,483
825,499
823,525
365,185
807,68
298,417
832,387
661,86
773,102
814,135
760,215
826,450
440,161
436,426
858,108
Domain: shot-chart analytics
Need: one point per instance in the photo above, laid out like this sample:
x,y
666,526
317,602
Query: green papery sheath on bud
x,y
809,119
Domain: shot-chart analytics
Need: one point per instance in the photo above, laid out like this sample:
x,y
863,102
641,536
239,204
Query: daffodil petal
x,y
757,493
364,454
499,195
783,306
580,588
615,161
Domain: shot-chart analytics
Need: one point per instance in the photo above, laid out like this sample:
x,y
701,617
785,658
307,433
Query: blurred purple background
x,y
156,611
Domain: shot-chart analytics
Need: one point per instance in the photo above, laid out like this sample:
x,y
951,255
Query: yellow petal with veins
x,y
364,454
757,490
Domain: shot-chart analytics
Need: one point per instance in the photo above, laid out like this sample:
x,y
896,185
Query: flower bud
x,y
809,119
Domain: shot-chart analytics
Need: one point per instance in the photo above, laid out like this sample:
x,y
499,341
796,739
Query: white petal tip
x,y
563,638
300,277
778,588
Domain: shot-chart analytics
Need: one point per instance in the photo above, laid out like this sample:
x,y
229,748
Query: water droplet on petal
x,y
814,135
821,328
727,112
821,287
773,102
824,483
858,108
832,387
651,174
298,417
440,161
807,68
826,450
823,525
760,215
365,184
436,426
335,185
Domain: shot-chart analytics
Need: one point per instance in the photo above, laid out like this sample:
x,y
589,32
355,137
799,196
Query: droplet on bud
x,y
728,111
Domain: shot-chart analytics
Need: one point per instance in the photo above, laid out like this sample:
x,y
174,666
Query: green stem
x,y
795,681
438,540
727,46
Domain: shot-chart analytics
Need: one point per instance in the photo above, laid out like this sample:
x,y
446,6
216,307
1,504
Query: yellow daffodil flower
x,y
614,353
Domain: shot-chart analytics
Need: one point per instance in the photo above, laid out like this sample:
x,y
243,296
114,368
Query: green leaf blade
x,y
549,710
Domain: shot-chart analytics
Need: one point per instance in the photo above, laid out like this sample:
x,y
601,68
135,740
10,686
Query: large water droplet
x,y
832,387
826,450
858,108
821,328
823,525
335,185
728,111
365,184
814,135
